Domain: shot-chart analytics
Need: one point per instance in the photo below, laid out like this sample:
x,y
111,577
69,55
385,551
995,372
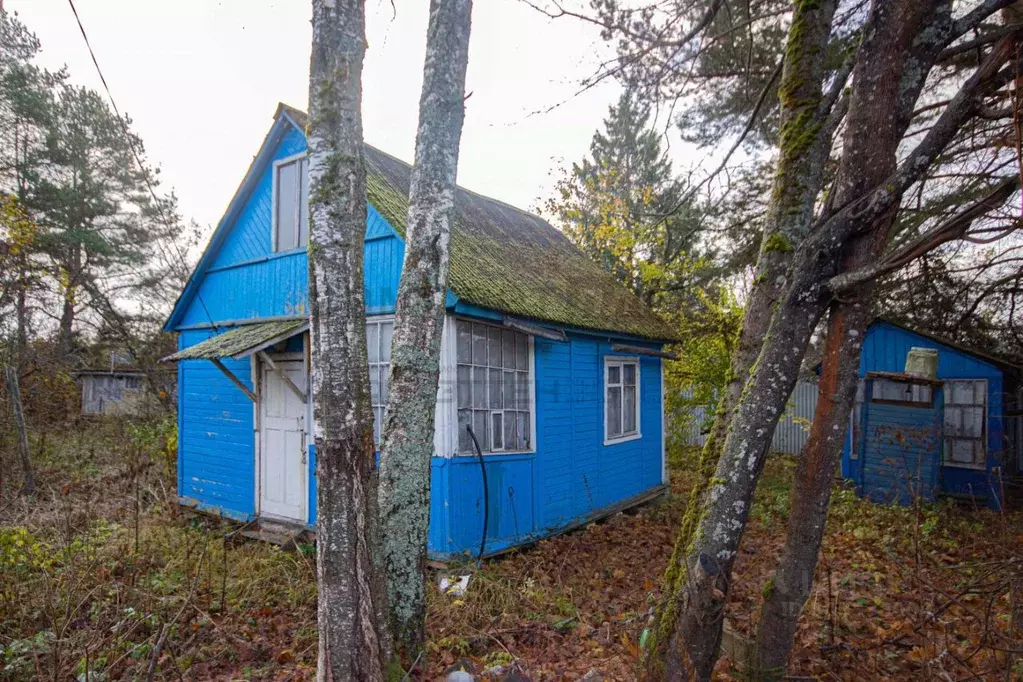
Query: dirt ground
x,y
102,577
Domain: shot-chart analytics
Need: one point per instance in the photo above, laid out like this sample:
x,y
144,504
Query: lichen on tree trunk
x,y
350,645
408,428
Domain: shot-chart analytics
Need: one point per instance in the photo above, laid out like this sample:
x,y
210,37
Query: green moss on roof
x,y
238,340
512,261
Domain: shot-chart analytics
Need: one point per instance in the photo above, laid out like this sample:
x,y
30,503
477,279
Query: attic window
x,y
291,203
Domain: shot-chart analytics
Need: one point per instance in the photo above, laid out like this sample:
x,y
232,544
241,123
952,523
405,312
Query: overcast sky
x,y
201,79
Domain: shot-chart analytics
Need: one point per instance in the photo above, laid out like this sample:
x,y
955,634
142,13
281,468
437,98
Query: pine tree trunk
x,y
703,569
408,431
797,182
350,646
877,128
28,486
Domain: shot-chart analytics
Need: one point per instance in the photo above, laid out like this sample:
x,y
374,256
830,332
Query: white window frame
x,y
946,439
275,193
531,394
619,361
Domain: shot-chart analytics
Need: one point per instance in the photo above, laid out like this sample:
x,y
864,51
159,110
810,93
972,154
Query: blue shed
x,y
558,368
912,437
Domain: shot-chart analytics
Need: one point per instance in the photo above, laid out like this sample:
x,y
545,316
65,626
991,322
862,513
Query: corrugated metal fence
x,y
793,427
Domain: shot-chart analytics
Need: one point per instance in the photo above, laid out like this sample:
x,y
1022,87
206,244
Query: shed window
x,y
494,388
965,418
133,383
378,350
291,204
897,392
621,399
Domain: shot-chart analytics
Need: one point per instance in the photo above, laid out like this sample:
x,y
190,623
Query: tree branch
x,y
954,228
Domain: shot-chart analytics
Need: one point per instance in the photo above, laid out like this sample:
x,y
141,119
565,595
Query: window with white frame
x,y
965,418
291,203
621,398
378,350
494,388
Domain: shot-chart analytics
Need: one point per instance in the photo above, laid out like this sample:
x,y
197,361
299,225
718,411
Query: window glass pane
x,y
378,420
522,391
522,421
464,344
373,342
287,201
629,374
614,411
521,351
464,441
509,432
614,374
303,206
374,386
479,388
962,451
509,388
629,410
496,390
464,386
509,348
494,346
479,344
385,388
980,393
497,437
386,333
479,427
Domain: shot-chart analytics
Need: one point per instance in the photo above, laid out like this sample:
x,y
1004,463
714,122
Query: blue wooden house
x,y
916,437
557,368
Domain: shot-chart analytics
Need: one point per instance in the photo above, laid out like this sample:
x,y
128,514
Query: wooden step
x,y
287,541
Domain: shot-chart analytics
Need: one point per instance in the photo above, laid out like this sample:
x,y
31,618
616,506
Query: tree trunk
x,y
350,646
797,182
704,572
67,314
876,129
407,445
29,485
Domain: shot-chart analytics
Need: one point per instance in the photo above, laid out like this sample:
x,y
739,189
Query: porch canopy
x,y
242,342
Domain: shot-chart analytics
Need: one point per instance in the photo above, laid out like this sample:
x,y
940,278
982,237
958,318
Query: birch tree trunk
x,y
28,486
408,428
350,647
703,567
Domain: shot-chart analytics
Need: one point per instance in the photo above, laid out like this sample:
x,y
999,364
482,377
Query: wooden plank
x,y
235,380
283,377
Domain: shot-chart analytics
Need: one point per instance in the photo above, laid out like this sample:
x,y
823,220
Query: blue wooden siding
x,y
898,451
884,350
571,477
216,444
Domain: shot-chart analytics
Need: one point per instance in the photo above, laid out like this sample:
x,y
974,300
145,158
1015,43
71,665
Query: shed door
x,y
283,464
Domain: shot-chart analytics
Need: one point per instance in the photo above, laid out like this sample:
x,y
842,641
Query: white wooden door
x,y
283,469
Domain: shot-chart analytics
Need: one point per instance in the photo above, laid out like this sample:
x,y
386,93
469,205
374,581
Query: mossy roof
x,y
241,340
514,262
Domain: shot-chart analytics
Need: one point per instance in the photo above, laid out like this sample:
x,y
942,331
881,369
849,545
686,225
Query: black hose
x,y
486,494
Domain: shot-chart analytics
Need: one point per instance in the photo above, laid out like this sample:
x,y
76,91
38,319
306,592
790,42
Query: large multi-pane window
x,y
493,388
378,349
965,417
621,398
291,204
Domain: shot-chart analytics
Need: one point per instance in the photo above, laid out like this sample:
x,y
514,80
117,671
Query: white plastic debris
x,y
454,585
